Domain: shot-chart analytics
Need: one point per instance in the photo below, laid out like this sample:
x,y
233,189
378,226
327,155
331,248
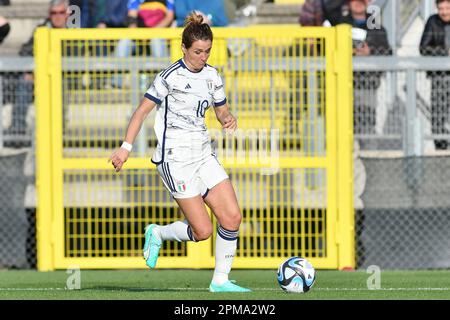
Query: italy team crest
x,y
210,86
181,186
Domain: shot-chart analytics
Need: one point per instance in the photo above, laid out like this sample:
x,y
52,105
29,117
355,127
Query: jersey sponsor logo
x,y
188,86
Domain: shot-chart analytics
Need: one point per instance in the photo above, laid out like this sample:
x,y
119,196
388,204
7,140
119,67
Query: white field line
x,y
257,289
31,289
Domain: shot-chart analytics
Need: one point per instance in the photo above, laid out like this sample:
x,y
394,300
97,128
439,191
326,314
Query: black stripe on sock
x,y
226,234
190,235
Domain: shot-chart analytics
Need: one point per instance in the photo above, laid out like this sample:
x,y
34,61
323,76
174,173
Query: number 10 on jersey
x,y
202,107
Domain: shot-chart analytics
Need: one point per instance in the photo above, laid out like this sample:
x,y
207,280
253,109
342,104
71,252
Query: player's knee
x,y
232,221
203,233
236,219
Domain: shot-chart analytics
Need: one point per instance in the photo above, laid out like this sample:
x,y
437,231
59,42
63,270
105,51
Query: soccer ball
x,y
296,275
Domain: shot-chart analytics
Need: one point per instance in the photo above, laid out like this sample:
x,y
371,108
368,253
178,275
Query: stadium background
x,y
400,204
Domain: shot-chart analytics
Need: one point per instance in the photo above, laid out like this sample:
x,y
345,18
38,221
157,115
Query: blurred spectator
x,y
103,14
92,11
4,28
4,3
214,12
100,14
373,41
436,42
376,39
314,13
150,13
114,13
57,17
317,12
146,14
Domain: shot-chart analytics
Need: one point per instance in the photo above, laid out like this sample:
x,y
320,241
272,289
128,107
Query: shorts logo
x,y
181,186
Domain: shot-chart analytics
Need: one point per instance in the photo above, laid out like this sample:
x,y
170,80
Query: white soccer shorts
x,y
187,180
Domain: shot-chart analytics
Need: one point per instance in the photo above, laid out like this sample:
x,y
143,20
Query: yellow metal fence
x,y
290,162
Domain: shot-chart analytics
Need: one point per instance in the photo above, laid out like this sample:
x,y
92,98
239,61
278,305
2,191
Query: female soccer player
x,y
189,169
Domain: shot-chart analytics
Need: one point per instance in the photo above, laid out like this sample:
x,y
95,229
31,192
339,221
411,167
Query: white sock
x,y
226,244
178,231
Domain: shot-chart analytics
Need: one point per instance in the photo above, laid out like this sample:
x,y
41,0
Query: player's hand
x,y
229,124
363,51
118,158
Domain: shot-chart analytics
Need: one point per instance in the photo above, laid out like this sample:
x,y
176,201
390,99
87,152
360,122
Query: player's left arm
x,y
226,119
221,107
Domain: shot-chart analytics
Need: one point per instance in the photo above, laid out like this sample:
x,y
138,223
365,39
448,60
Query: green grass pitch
x,y
192,284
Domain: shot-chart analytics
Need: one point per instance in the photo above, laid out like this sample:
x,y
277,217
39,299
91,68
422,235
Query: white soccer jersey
x,y
182,99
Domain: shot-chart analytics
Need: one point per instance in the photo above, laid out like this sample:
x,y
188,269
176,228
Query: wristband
x,y
127,146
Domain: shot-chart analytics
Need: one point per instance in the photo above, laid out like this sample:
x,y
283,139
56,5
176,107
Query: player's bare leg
x,y
195,213
196,227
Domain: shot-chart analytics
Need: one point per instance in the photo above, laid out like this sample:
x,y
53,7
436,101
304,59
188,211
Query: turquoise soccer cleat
x,y
228,286
152,246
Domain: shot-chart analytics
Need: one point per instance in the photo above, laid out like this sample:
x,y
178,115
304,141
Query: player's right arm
x,y
120,156
154,96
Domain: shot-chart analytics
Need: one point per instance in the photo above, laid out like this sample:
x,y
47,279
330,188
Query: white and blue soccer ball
x,y
296,275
